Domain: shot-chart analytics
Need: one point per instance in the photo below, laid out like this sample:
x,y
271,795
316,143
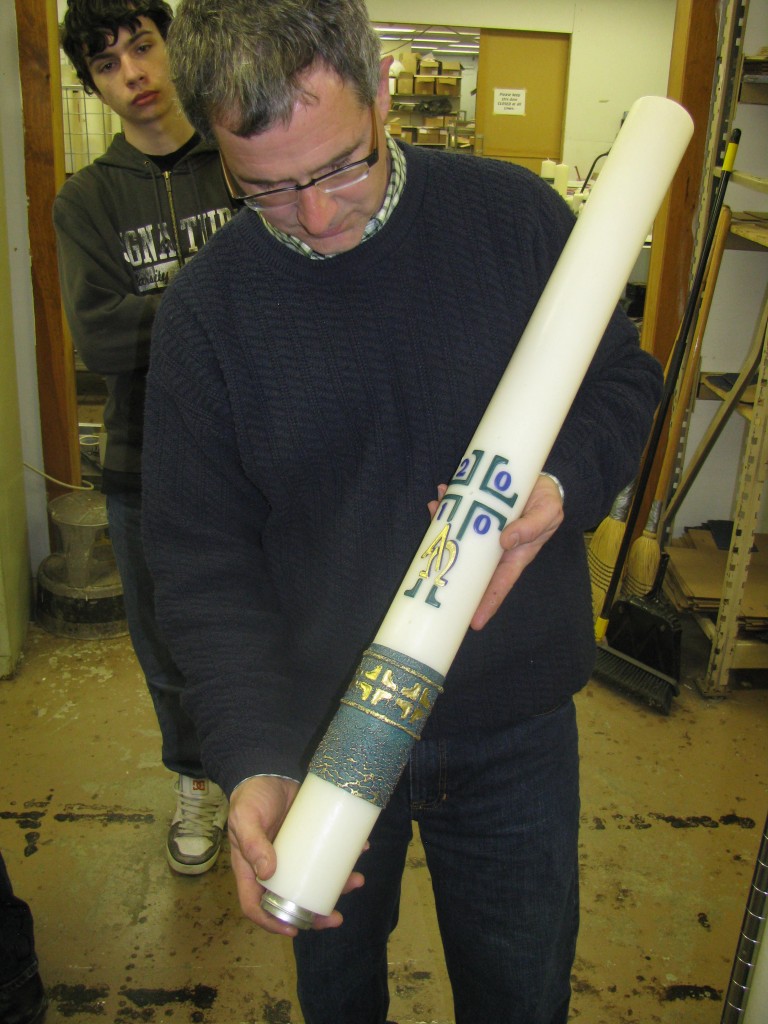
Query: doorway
x,y
522,83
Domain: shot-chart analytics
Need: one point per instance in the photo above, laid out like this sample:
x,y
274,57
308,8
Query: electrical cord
x,y
591,169
61,483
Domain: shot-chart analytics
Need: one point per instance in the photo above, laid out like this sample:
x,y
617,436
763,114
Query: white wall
x,y
22,315
620,50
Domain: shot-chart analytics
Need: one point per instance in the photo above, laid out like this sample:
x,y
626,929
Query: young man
x,y
317,373
125,225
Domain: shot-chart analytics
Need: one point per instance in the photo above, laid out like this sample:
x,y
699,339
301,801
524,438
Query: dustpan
x,y
648,628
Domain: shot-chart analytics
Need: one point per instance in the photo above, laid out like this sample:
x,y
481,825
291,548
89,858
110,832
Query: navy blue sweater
x,y
300,415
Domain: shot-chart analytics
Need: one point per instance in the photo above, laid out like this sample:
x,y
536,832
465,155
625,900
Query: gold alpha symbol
x,y
440,556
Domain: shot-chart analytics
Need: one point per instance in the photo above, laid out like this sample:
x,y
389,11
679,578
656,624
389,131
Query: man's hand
x,y
521,542
256,811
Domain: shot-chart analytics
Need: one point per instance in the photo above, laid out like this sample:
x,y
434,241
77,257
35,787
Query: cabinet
x,y
734,647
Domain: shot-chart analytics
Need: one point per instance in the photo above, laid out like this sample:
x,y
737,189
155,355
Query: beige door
x,y
522,80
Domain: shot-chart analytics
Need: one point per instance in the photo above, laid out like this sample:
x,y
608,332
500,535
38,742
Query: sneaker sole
x,y
180,868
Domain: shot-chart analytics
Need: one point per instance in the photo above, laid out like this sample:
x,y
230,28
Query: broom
x,y
645,553
605,543
612,666
604,547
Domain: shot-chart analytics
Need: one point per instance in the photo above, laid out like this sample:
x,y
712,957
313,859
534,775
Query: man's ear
x,y
383,99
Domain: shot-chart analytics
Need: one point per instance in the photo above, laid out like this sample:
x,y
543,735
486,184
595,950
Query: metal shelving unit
x,y
731,647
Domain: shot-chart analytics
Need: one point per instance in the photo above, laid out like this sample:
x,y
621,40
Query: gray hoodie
x,y
124,228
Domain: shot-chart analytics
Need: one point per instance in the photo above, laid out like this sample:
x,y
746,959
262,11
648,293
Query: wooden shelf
x,y
754,80
750,181
749,232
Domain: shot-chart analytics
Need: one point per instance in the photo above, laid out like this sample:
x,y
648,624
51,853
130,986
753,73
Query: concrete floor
x,y
673,810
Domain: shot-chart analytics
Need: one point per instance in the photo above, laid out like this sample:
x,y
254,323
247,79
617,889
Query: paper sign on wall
x,y
509,101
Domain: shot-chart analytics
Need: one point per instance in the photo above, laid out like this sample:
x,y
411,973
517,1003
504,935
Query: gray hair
x,y
241,63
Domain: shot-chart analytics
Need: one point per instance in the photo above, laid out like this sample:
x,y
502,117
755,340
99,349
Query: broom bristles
x,y
601,559
604,548
642,565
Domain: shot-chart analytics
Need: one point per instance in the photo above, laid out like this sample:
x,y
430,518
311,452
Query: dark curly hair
x,y
90,26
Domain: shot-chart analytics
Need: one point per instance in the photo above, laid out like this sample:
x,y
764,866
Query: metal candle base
x,y
286,910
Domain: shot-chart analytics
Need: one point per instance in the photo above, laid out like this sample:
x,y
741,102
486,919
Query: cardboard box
x,y
447,86
451,68
429,67
405,83
409,60
431,137
424,85
395,129
434,122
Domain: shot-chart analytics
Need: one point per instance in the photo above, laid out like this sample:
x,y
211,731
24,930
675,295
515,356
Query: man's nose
x,y
315,210
132,70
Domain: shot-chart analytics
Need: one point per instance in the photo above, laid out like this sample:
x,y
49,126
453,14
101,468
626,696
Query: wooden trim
x,y
40,74
691,77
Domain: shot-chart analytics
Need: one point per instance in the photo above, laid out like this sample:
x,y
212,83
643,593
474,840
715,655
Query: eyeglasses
x,y
334,181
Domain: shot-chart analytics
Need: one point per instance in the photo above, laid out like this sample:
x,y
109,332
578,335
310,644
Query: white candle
x,y
561,179
400,676
311,875
548,170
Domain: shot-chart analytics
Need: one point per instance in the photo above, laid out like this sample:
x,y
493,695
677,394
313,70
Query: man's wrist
x,y
263,775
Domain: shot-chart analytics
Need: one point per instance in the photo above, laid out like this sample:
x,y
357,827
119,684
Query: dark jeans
x,y
181,747
498,816
18,962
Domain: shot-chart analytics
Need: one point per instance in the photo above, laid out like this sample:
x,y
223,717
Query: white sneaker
x,y
194,838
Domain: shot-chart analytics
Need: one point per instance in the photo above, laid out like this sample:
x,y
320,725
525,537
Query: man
x,y
316,375
125,225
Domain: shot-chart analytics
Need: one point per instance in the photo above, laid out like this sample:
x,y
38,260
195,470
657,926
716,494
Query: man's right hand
x,y
256,812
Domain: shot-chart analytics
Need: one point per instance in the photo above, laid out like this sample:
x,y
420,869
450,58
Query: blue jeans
x,y
498,816
181,747
18,961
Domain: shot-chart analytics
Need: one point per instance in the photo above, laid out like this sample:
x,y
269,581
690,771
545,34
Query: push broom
x,y
605,543
621,668
645,553
642,623
604,546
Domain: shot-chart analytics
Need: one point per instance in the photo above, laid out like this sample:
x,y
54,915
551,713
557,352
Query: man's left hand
x,y
521,541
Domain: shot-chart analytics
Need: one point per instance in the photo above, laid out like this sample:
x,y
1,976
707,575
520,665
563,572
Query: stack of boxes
x,y
430,78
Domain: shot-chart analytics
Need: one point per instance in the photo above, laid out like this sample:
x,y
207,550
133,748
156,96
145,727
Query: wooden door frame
x,y
692,72
40,75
